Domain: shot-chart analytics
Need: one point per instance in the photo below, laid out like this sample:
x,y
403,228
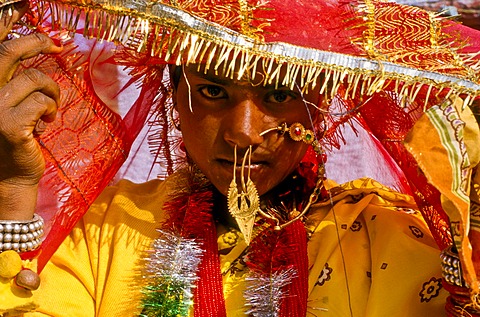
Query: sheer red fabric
x,y
90,140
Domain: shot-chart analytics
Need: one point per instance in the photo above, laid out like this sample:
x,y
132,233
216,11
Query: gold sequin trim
x,y
176,36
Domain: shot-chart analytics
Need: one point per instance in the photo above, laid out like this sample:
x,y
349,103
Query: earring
x,y
174,121
297,132
243,206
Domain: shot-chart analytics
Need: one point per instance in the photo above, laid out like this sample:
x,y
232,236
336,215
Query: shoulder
x,y
380,212
381,239
129,200
130,190
362,198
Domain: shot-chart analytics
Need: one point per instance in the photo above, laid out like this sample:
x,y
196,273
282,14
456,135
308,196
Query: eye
x,y
213,92
281,96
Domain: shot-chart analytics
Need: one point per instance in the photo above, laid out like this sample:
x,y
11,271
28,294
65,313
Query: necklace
x,y
183,270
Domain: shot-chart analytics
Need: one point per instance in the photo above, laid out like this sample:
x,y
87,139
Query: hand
x,y
24,100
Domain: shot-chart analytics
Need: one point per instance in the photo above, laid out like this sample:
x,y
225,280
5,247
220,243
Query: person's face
x,y
227,113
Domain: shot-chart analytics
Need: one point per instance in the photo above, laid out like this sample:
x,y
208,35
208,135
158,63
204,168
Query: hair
x,y
175,73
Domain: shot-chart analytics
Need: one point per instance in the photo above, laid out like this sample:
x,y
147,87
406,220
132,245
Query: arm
x,y
25,99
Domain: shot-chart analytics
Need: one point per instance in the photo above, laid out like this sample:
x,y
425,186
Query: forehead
x,y
222,76
258,76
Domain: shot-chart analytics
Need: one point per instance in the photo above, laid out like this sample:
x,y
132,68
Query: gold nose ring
x,y
296,131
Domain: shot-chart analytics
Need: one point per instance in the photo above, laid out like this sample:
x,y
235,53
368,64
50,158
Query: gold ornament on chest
x,y
244,204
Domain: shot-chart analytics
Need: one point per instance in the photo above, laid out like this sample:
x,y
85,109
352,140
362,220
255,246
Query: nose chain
x,y
245,205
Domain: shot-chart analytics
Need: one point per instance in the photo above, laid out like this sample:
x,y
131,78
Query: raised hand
x,y
24,100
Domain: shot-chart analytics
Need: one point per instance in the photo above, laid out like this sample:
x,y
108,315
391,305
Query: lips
x,y
253,166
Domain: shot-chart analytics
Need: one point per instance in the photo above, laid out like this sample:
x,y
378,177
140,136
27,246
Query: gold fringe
x,y
172,36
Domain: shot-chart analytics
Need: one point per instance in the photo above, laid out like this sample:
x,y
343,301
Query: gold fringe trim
x,y
176,36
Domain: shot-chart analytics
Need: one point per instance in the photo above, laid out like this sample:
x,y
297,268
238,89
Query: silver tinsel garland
x,y
170,274
264,292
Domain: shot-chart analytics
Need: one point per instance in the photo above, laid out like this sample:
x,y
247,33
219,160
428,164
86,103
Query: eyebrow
x,y
217,79
214,78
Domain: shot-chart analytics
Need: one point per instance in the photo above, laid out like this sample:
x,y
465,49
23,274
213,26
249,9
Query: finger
x,y
10,13
37,106
29,81
12,52
20,121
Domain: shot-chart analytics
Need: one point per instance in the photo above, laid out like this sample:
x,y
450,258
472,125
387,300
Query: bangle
x,y
451,268
21,236
460,302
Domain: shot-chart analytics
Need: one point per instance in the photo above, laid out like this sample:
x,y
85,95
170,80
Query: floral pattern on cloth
x,y
416,231
227,240
325,276
366,260
231,254
356,226
430,289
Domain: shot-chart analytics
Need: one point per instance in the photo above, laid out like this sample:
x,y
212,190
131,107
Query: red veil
x,y
381,64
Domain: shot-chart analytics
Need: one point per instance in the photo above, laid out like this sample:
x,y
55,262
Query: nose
x,y
244,124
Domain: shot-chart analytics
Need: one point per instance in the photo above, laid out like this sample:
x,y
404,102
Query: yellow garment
x,y
14,299
392,265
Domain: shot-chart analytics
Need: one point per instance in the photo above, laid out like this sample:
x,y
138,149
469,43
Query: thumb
x,y
11,11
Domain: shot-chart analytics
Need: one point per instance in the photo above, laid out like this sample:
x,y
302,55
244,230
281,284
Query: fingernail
x,y
57,42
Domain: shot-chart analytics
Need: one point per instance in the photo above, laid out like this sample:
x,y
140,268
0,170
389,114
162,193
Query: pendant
x,y
244,207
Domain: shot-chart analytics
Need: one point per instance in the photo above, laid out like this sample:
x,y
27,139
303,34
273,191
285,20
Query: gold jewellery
x,y
296,131
244,206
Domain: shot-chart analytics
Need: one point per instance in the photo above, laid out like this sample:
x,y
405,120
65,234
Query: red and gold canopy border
x,y
381,42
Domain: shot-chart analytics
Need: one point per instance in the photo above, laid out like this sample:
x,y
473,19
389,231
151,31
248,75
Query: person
x,y
246,223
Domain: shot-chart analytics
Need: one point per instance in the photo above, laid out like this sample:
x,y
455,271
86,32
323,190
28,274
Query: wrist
x,y
17,201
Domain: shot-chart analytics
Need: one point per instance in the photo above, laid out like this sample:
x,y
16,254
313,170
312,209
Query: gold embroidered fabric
x,y
411,53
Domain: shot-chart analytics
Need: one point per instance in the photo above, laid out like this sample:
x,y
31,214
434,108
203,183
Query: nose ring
x,y
296,131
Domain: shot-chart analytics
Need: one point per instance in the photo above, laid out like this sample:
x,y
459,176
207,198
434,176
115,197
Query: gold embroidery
x,y
177,36
421,44
237,14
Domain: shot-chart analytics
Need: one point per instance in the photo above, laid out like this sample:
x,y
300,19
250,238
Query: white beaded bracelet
x,y
21,236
